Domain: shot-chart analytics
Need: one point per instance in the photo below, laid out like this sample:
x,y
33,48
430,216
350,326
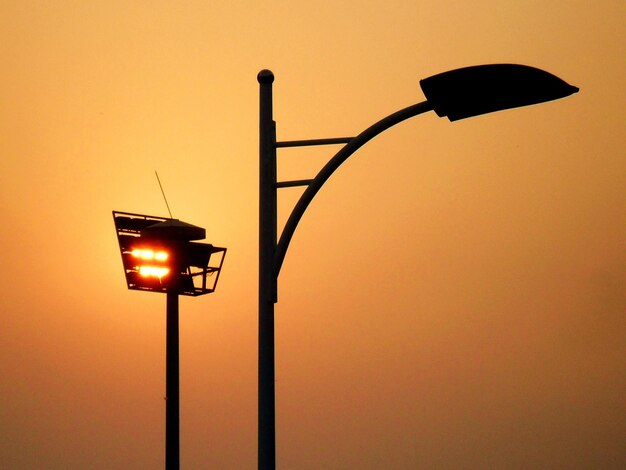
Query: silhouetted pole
x,y
172,397
158,255
267,281
457,94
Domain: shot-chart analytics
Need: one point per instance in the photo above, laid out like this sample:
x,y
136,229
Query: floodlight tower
x,y
159,255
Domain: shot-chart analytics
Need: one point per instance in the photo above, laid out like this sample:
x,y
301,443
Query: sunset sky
x,y
453,298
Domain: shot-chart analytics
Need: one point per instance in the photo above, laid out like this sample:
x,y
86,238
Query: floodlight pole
x,y
168,243
172,382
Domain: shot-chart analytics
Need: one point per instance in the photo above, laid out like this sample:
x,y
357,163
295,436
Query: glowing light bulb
x,y
153,271
149,254
143,254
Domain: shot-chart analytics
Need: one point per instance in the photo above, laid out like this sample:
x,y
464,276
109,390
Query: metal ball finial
x,y
265,76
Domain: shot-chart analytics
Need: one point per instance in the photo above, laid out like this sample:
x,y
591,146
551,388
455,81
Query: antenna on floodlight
x,y
163,192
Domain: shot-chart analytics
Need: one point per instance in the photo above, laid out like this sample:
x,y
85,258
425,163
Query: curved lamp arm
x,y
314,186
457,94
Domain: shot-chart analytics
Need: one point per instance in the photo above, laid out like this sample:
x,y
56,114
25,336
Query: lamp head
x,y
158,255
470,91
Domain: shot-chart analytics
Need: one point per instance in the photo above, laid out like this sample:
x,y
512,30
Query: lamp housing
x,y
158,255
480,89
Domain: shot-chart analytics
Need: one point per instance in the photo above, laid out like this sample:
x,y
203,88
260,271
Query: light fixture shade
x,y
482,89
173,229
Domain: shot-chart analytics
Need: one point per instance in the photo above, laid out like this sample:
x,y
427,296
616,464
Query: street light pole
x,y
272,254
457,94
267,281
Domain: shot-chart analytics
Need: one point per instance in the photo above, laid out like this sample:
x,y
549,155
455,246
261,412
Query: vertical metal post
x,y
267,279
172,398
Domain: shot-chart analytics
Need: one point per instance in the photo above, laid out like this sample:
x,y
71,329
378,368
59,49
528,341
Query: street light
x,y
457,94
158,255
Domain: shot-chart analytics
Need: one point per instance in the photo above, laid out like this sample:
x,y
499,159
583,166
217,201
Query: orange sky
x,y
453,298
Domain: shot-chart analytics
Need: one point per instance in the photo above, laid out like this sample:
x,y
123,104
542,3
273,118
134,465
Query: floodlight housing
x,y
159,256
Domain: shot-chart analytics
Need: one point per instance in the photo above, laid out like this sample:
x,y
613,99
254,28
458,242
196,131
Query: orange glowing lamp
x,y
148,259
159,255
150,262
149,254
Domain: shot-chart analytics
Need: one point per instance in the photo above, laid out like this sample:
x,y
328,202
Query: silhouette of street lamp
x,y
159,255
457,94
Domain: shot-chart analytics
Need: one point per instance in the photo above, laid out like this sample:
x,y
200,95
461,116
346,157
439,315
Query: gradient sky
x,y
453,298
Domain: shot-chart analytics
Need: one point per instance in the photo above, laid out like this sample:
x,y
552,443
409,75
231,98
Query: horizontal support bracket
x,y
341,156
313,142
291,184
